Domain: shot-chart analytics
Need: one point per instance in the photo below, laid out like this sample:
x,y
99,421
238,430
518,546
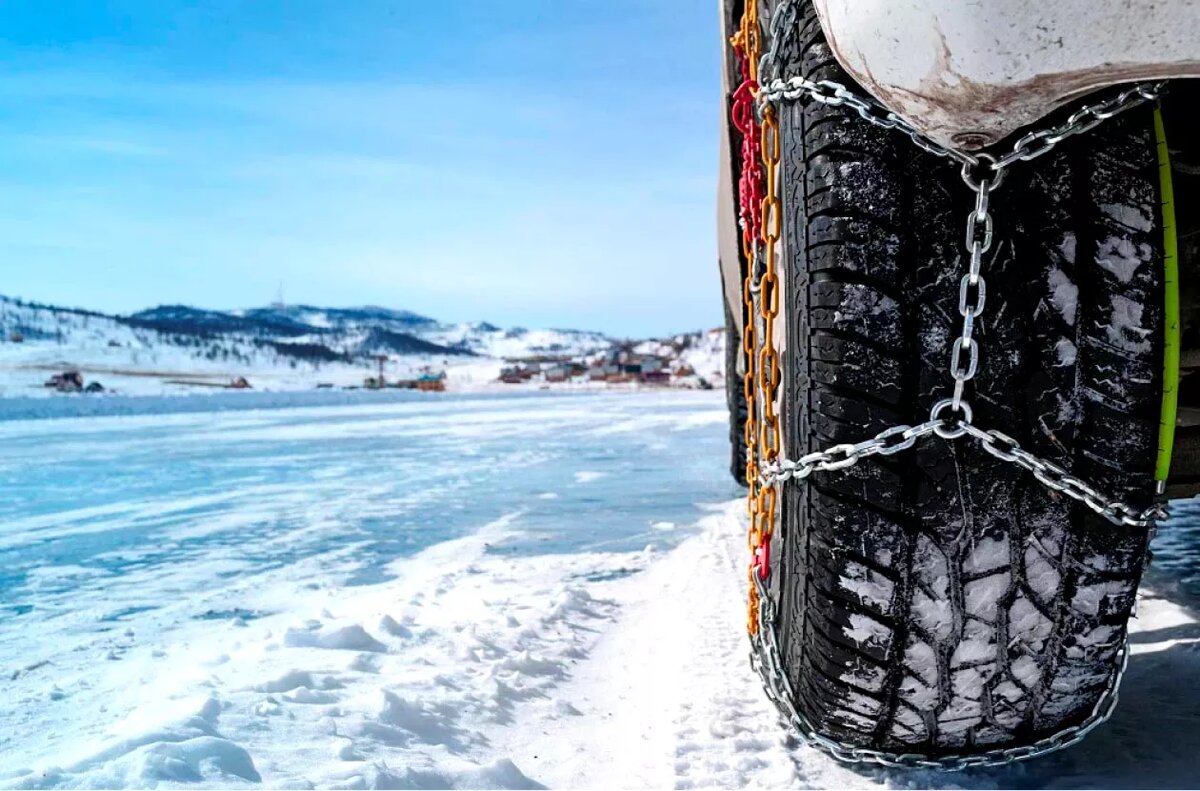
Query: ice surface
x,y
386,570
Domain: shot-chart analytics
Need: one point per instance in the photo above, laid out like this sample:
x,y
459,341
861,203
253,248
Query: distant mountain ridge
x,y
313,315
344,331
300,331
183,319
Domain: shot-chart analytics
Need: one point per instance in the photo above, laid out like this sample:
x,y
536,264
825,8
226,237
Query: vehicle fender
x,y
968,73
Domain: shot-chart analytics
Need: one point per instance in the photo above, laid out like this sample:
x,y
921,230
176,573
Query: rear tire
x,y
942,601
735,396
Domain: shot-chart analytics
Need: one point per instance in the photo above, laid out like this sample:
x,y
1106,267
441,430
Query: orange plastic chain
x,y
760,213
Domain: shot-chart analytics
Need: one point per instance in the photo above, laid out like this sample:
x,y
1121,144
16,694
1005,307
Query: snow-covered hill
x,y
176,348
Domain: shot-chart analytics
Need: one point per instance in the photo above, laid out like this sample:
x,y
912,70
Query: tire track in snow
x,y
667,699
731,738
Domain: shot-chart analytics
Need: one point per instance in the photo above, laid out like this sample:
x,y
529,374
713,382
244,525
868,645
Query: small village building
x,y
66,382
558,373
432,382
516,374
652,364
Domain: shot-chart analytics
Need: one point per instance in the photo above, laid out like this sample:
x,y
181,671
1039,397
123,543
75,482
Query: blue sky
x,y
543,163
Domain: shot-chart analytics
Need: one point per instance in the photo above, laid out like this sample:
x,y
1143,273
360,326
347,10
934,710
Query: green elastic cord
x,y
1170,393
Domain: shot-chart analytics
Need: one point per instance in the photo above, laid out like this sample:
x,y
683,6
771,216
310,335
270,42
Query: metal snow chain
x,y
781,19
766,658
952,416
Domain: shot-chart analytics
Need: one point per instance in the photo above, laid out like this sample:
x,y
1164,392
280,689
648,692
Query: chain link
x,y
950,418
1030,146
835,94
1082,120
839,457
1055,478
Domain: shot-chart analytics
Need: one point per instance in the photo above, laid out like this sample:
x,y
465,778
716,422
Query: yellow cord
x,y
1170,392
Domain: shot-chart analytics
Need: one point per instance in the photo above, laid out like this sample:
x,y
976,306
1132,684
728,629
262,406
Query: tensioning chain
x,y
949,419
767,659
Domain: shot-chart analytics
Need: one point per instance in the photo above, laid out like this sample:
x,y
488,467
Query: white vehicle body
x,y
968,73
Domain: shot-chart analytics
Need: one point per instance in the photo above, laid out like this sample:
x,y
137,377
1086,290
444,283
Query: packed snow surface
x,y
513,592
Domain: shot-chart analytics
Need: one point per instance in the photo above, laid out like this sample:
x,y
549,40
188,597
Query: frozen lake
x,y
381,594
114,530
220,498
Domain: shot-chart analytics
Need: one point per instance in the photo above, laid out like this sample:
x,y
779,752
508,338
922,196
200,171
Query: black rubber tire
x,y
735,396
942,601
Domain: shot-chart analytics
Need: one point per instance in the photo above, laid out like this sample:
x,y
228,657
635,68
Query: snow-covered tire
x,y
942,601
735,396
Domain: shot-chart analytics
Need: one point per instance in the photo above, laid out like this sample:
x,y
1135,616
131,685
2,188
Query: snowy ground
x,y
511,592
169,370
